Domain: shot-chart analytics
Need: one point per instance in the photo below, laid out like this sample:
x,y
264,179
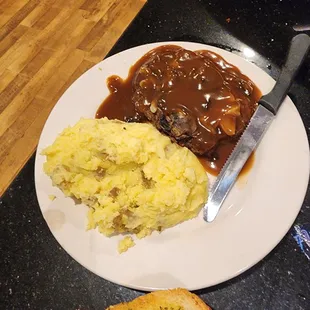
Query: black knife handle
x,y
297,53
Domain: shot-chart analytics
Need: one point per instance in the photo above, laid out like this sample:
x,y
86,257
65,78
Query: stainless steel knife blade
x,y
258,125
250,138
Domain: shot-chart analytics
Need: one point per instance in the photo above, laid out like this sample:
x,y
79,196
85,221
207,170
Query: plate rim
x,y
192,288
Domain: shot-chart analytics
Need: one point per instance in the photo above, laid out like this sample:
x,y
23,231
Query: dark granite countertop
x,y
36,273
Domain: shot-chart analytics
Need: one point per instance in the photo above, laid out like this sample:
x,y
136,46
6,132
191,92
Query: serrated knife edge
x,y
258,125
247,143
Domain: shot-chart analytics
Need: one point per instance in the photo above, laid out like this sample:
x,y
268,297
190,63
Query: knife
x,y
266,111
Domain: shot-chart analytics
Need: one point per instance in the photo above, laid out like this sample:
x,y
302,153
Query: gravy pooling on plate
x,y
197,98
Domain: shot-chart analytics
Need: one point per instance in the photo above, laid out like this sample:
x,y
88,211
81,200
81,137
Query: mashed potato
x,y
125,244
132,178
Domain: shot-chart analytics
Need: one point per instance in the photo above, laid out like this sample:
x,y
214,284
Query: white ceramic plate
x,y
256,215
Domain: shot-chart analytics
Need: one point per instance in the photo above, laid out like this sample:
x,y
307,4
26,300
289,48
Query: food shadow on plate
x,y
158,280
245,275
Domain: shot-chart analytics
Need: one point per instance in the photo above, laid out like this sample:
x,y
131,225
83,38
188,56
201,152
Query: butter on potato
x,y
132,178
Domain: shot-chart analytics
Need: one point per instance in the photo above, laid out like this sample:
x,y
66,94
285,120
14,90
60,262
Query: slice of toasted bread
x,y
176,299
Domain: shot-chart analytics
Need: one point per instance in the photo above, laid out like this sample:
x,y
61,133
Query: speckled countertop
x,y
36,273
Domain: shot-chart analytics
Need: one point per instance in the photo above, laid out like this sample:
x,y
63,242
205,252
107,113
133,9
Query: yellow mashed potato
x,y
125,244
132,178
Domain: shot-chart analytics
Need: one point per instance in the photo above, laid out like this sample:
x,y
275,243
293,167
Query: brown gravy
x,y
119,104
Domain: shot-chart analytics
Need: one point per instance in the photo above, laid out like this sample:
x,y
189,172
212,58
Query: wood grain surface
x,y
45,45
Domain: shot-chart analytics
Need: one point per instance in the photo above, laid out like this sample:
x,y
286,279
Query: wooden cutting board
x,y
45,45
